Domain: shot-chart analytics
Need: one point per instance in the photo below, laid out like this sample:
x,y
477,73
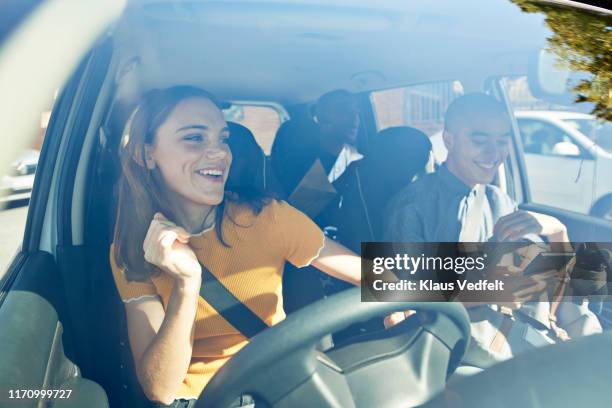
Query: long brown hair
x,y
142,192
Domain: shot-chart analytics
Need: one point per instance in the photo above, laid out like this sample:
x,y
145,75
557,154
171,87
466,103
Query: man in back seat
x,y
332,142
457,203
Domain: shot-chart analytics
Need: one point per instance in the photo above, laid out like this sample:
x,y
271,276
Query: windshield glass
x,y
281,152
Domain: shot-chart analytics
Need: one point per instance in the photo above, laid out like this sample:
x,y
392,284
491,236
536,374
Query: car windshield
x,y
212,169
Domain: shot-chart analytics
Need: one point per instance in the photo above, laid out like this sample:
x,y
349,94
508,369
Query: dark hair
x,y
142,192
330,99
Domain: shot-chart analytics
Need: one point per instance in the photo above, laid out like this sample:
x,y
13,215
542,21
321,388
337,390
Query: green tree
x,y
583,42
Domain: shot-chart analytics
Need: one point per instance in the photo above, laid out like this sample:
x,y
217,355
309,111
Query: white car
x,y
568,159
17,184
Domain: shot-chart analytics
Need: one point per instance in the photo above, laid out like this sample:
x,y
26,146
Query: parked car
x,y
62,323
571,144
17,185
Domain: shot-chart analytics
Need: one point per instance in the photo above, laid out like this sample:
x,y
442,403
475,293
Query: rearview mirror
x,y
551,80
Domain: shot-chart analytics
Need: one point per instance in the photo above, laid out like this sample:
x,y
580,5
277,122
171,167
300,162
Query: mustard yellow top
x,y
251,269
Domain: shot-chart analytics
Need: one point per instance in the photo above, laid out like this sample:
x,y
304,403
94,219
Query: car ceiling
x,y
294,50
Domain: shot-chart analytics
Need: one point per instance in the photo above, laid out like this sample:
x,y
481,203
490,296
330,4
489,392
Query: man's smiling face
x,y
477,145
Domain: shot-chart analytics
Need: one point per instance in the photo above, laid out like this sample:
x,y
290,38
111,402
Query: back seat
x,y
395,156
251,168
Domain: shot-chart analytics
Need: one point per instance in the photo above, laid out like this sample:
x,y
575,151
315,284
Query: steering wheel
x,y
283,361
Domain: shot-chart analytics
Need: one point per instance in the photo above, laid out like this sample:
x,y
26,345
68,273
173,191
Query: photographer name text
x,y
431,285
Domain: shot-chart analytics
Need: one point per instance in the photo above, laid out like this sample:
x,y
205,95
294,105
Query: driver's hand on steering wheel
x,y
397,317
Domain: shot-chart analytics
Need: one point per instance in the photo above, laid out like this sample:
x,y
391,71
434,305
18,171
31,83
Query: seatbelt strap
x,y
470,228
557,299
230,307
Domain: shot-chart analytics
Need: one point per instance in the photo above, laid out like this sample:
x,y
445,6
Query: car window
x,y
543,138
421,106
600,132
561,165
261,119
15,190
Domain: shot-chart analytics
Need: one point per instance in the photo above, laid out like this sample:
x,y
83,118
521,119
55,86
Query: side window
x,y
261,119
15,191
562,149
421,106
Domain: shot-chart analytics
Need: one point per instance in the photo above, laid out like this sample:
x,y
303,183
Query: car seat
x,y
251,168
396,156
248,160
295,139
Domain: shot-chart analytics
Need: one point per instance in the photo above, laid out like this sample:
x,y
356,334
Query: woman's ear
x,y
150,163
146,161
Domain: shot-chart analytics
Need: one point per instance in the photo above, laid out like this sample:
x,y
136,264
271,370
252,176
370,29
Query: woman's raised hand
x,y
165,246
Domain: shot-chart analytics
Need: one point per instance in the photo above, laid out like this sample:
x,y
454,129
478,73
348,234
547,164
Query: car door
x,y
556,179
44,360
38,342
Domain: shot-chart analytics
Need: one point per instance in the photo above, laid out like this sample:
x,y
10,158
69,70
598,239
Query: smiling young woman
x,y
174,218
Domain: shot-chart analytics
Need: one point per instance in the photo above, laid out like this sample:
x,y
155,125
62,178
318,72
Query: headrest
x,y
293,134
248,164
401,146
292,150
398,154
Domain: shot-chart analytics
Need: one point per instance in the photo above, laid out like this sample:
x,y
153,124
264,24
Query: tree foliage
x,y
583,41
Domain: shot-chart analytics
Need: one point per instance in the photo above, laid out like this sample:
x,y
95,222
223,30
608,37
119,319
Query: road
x,y
12,224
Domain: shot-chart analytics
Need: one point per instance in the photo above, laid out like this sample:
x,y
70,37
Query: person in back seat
x,y
300,143
457,203
331,141
364,184
179,236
